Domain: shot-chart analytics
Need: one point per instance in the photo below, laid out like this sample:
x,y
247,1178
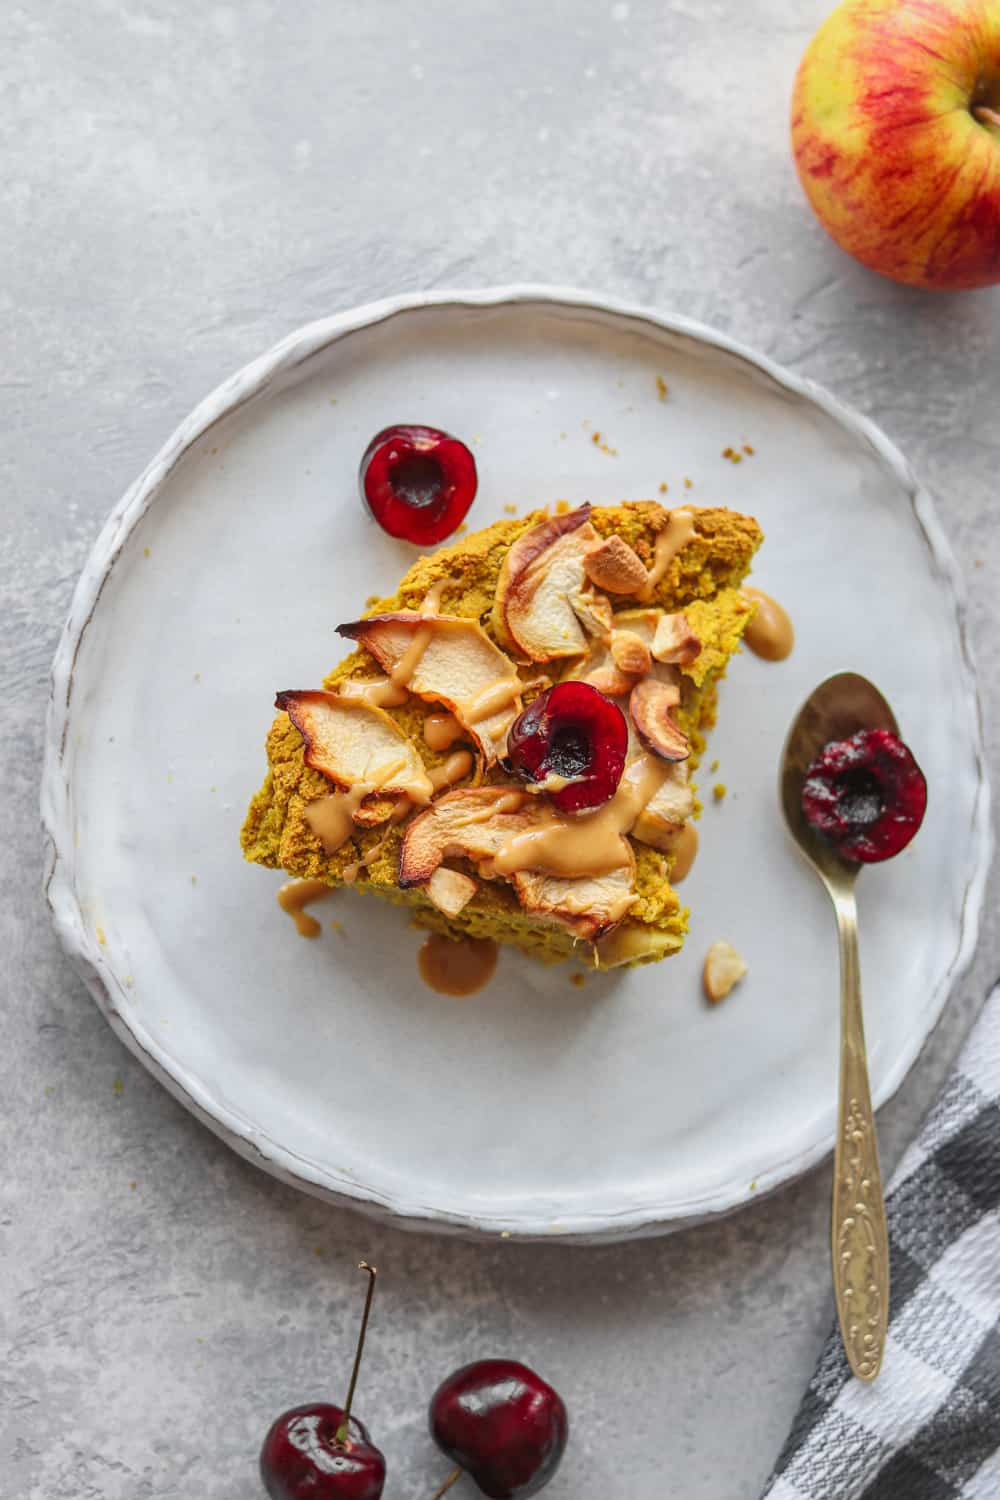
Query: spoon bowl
x,y
836,710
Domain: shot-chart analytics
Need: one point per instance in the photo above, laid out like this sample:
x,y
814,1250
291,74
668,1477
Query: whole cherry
x,y
418,482
502,1424
320,1451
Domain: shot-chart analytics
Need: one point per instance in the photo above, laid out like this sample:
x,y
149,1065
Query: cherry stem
x,y
453,1478
342,1430
986,116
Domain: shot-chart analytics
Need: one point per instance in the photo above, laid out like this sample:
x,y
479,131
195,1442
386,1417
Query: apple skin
x,y
898,167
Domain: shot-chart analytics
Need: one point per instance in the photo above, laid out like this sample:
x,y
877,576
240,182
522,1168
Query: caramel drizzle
x,y
593,843
296,896
684,853
452,770
332,818
673,537
508,802
492,699
393,691
380,692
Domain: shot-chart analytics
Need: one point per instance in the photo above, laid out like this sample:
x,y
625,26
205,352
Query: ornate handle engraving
x,y
859,1237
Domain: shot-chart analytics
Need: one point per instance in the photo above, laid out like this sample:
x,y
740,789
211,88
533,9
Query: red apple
x,y
896,135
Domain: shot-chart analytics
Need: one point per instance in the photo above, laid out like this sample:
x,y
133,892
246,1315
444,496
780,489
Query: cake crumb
x,y
687,482
724,968
317,1250
510,510
101,937
194,880
748,450
117,1088
733,456
661,388
146,552
336,927
133,1186
663,486
719,791
578,979
714,766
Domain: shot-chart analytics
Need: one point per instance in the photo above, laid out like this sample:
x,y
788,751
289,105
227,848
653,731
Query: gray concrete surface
x,y
183,184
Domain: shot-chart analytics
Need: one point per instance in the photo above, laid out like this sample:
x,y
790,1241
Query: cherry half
x,y
502,1424
866,794
576,736
418,482
321,1452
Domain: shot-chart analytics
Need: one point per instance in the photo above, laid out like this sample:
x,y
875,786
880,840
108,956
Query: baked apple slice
x,y
542,575
355,744
459,667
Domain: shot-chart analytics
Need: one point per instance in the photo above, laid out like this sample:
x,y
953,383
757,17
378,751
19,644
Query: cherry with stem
x,y
321,1451
343,1429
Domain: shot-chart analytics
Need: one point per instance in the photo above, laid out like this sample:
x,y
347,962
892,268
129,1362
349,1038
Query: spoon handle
x,y
859,1239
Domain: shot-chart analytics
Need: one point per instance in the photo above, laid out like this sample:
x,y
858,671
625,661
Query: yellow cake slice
x,y
393,778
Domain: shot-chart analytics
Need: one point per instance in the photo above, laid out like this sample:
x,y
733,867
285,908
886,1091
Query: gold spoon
x,y
837,709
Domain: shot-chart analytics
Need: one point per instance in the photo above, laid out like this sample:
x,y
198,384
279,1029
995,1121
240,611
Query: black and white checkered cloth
x,y
928,1428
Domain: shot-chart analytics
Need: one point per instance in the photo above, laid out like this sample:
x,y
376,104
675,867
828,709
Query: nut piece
x,y
630,653
662,819
613,566
450,890
594,613
724,967
675,642
609,681
649,704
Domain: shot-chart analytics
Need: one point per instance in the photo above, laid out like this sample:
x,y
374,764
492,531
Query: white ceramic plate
x,y
537,1108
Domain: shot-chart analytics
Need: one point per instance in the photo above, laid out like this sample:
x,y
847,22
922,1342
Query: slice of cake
x,y
508,751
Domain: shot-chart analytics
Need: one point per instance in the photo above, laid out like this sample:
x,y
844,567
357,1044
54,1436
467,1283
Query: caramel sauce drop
x,y
296,896
457,968
770,633
441,731
685,852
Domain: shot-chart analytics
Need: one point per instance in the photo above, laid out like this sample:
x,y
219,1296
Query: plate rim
x,y
84,951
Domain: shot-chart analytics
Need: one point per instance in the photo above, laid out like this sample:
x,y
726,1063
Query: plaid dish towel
x,y
928,1428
